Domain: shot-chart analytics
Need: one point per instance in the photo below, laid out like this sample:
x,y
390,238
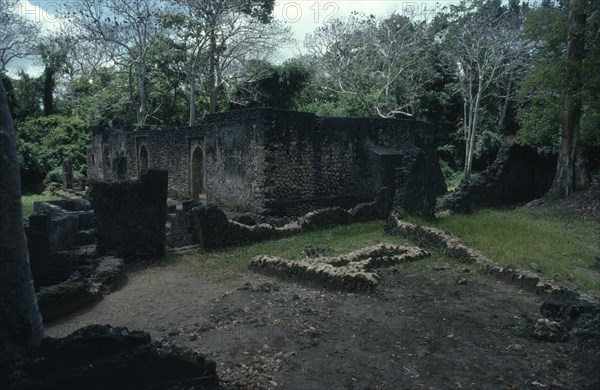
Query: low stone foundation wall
x,y
209,227
453,246
68,274
55,226
352,272
88,282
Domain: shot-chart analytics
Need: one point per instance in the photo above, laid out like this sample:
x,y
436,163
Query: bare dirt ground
x,y
433,324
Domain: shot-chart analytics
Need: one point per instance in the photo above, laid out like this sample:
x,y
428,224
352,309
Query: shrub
x,y
43,143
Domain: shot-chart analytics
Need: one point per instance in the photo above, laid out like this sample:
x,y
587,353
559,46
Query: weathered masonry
x,y
277,162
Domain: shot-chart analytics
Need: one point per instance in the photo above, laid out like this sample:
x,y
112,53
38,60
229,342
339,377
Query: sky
x,y
303,16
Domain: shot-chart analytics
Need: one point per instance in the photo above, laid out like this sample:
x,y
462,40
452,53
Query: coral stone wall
x,y
519,174
107,147
131,215
168,149
313,162
235,159
276,162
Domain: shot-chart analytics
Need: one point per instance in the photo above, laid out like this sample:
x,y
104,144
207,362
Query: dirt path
x,y
432,325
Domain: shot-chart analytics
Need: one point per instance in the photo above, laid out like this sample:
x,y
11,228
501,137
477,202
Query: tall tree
x,y
268,85
571,174
483,46
379,63
556,82
128,29
20,320
53,51
221,35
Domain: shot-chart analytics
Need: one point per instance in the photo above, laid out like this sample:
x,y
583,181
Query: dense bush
x,y
43,143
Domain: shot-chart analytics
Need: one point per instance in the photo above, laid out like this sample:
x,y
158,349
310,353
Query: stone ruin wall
x,y
310,166
235,160
168,149
519,174
131,215
277,162
315,162
107,146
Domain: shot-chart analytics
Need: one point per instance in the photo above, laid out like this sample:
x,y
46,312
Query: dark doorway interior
x,y
143,158
197,169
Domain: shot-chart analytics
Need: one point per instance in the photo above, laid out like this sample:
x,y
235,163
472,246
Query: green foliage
x,y
166,78
368,67
451,176
101,95
563,246
271,85
542,92
486,146
323,101
55,176
43,143
25,96
541,117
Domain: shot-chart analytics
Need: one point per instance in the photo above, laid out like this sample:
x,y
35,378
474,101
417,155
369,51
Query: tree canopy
x,y
484,71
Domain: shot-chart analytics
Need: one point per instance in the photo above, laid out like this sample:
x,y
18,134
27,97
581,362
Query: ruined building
x,y
276,162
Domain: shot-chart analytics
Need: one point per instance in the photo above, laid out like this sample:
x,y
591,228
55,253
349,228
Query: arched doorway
x,y
143,158
107,163
197,173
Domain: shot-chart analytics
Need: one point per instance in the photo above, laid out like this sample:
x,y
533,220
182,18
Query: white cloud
x,y
44,13
304,16
47,15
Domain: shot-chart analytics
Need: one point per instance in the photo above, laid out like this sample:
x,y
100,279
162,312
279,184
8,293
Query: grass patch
x,y
337,241
454,180
28,200
561,249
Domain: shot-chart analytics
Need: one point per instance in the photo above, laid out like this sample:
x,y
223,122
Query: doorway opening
x,y
197,173
143,158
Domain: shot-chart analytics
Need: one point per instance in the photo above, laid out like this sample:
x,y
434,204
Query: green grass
x,y
454,180
557,247
338,240
28,200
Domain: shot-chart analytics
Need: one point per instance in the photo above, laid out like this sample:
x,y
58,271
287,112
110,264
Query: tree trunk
x,y
504,107
212,108
20,320
571,174
49,83
467,169
143,111
192,99
473,116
